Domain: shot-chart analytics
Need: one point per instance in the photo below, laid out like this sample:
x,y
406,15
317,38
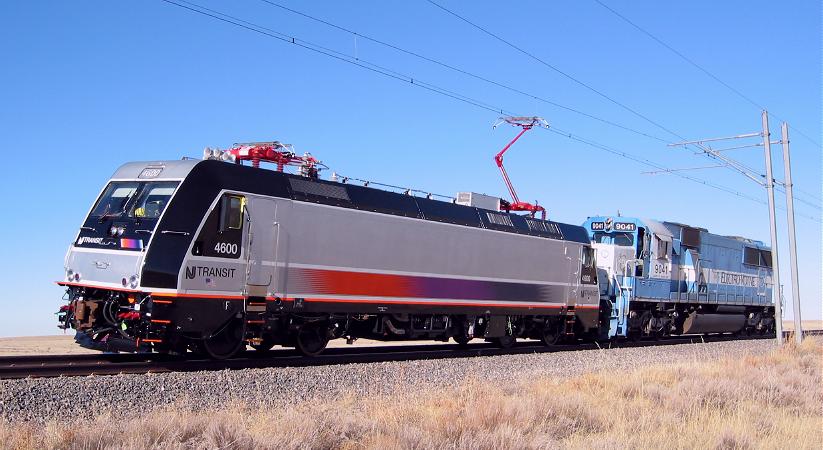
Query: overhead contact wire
x,y
698,66
463,71
430,87
557,70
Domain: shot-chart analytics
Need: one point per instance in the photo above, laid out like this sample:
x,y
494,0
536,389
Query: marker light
x,y
69,275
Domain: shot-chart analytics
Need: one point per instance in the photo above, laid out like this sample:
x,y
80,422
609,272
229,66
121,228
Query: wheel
x,y
226,342
265,345
551,335
312,339
462,340
646,328
505,341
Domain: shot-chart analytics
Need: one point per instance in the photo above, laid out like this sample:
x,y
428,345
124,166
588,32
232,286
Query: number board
x,y
150,172
625,226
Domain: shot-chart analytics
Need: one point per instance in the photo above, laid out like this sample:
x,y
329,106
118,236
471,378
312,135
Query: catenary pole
x,y
787,167
778,307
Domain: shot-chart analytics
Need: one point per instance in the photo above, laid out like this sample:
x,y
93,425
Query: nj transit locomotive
x,y
211,255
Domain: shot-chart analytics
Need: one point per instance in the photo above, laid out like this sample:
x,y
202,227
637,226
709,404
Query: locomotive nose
x,y
106,268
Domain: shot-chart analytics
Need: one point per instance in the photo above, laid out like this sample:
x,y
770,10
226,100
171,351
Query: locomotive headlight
x,y
69,275
77,276
133,280
228,157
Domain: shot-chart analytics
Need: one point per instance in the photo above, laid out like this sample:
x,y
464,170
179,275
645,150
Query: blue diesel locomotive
x,y
658,278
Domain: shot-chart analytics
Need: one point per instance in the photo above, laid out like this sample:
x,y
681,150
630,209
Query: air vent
x,y
319,189
543,227
499,219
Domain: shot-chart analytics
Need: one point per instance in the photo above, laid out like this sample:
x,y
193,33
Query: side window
x,y
588,273
222,234
231,213
662,249
755,257
588,257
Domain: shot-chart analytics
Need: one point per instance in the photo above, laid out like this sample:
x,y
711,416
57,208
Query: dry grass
x,y
771,401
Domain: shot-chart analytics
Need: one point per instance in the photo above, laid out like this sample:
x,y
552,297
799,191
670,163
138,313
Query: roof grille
x,y
319,189
499,219
543,227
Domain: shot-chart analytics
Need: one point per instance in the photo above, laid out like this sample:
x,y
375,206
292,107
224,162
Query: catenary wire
x,y
327,52
556,69
699,67
570,77
462,71
395,75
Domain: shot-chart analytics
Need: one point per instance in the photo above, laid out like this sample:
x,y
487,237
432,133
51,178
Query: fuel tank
x,y
713,323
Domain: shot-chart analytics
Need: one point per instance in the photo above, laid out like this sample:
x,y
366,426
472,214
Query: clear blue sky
x,y
86,86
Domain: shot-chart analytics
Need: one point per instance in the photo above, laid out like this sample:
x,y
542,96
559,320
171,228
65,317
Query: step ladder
x,y
569,321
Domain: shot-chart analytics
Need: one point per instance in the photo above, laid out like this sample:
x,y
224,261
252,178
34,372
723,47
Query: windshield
x,y
138,199
621,239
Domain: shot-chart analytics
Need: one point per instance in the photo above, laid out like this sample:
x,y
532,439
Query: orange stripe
x,y
395,302
160,321
156,341
165,302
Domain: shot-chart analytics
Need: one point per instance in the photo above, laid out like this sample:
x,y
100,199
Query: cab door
x,y
261,245
573,269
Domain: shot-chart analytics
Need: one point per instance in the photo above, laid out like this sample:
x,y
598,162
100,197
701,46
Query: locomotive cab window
x,y
588,257
231,213
222,233
588,270
662,248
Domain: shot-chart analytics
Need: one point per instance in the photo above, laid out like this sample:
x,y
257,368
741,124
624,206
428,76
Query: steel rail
x,y
39,366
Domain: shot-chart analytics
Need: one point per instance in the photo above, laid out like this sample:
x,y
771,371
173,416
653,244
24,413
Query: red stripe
x,y
180,295
468,303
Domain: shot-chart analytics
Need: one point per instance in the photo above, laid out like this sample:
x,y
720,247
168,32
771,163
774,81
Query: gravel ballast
x,y
47,399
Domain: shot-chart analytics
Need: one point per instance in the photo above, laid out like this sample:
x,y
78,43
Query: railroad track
x,y
13,367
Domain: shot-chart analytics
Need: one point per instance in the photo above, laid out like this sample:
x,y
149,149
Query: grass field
x,y
768,401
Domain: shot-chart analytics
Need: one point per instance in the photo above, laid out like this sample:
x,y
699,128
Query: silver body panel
x,y
285,239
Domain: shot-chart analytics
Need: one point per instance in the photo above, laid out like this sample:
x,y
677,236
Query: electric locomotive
x,y
211,255
662,278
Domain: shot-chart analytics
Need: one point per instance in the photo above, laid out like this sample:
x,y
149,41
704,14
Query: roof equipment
x,y
526,123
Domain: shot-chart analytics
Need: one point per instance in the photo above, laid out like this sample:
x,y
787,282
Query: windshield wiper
x,y
105,214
